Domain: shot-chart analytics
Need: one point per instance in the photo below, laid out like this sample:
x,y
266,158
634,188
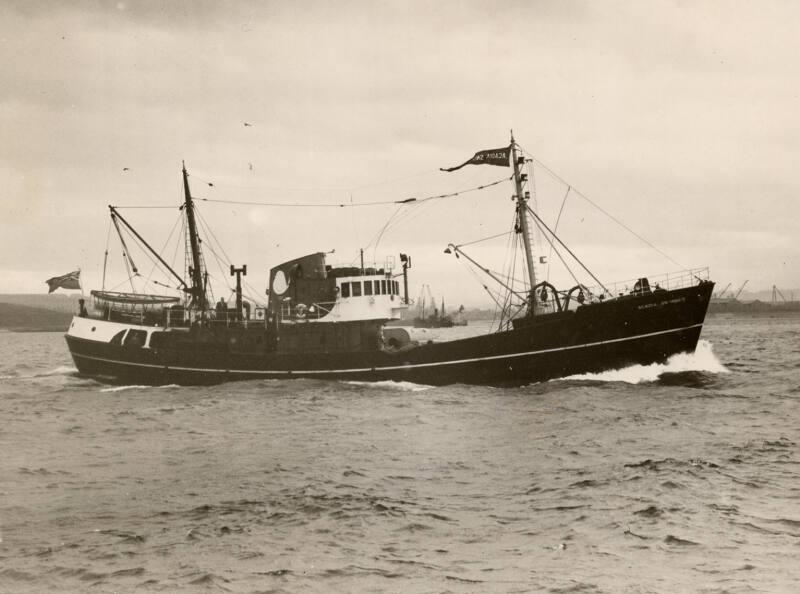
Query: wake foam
x,y
703,359
392,385
63,370
123,388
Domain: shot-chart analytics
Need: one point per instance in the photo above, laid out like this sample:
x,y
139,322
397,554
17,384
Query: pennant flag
x,y
497,157
71,280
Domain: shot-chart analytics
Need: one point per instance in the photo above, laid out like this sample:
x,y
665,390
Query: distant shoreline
x,y
754,314
28,330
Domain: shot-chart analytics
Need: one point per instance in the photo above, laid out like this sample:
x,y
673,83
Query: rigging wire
x,y
250,295
409,214
510,265
148,207
163,248
558,253
406,215
211,235
105,258
535,197
217,258
178,244
136,273
484,239
471,270
222,260
411,200
399,216
555,228
126,255
601,209
377,238
569,251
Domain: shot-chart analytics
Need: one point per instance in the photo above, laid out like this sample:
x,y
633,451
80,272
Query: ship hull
x,y
640,329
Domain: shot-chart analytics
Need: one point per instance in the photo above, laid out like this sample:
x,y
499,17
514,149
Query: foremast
x,y
198,288
522,196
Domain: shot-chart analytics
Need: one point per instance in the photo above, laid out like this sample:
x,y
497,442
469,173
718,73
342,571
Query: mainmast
x,y
520,179
198,289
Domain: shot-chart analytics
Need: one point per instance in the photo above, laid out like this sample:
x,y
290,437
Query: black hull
x,y
641,329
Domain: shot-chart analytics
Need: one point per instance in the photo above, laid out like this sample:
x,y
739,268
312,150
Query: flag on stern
x,y
497,157
71,280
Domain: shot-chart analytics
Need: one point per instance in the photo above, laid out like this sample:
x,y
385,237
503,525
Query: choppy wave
x,y
311,485
702,360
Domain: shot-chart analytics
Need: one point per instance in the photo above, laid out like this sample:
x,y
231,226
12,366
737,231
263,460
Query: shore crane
x,y
739,292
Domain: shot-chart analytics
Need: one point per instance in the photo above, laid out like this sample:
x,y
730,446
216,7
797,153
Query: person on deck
x,y
222,309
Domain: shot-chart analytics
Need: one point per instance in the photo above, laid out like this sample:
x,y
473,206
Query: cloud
x,y
676,117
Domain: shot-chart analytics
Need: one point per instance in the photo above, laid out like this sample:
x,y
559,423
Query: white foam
x,y
123,388
703,359
393,385
63,370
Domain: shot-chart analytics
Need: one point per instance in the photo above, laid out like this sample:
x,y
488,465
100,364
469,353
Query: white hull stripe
x,y
387,368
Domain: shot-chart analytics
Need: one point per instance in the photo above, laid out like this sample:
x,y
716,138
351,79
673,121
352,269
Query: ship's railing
x,y
179,316
667,281
129,313
257,317
302,312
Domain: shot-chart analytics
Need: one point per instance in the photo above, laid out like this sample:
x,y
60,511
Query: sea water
x,y
670,478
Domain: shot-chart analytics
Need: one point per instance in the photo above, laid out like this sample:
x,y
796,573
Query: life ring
x,y
300,310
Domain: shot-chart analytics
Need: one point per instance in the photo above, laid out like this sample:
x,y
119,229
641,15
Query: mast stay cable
x,y
601,209
404,201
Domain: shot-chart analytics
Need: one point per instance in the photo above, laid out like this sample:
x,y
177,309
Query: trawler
x,y
437,318
329,322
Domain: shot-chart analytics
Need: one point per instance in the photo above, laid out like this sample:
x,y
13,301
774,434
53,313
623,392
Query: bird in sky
x,y
126,168
247,124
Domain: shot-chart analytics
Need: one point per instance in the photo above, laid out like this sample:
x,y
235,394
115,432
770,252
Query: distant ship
x,y
437,318
328,322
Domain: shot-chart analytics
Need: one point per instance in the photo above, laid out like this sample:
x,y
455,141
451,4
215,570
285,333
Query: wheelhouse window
x,y
377,287
135,338
117,339
356,288
383,288
158,340
367,287
345,289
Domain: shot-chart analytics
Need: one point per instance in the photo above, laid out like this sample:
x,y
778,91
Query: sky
x,y
680,119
